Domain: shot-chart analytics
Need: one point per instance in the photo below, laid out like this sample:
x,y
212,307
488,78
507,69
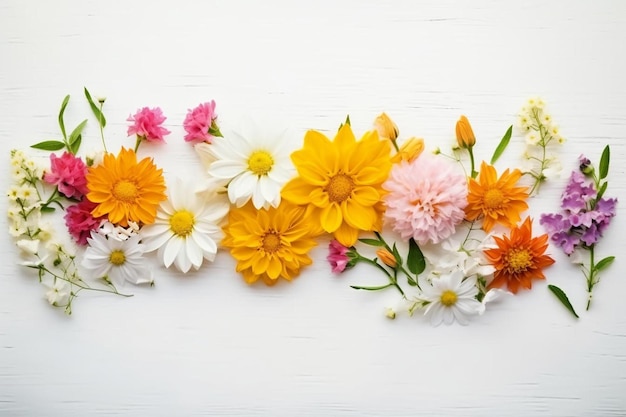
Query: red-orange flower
x,y
498,200
519,258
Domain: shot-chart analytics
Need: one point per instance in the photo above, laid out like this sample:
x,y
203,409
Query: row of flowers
x,y
448,234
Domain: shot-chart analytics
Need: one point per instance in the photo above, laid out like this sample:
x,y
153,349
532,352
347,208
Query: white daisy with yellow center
x,y
450,298
254,165
116,260
187,227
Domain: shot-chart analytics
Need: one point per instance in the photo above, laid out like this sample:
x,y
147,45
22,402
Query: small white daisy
x,y
186,229
118,260
450,298
254,164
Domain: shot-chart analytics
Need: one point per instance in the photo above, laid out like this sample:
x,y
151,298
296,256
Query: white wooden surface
x,y
207,344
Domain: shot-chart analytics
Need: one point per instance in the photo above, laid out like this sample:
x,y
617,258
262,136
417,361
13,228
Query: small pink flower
x,y
147,124
68,174
80,222
426,199
198,123
338,256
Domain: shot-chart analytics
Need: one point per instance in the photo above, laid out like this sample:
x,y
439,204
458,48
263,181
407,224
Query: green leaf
x,y
75,145
49,145
372,242
381,287
562,298
415,261
396,254
47,209
96,111
61,122
604,263
75,135
504,142
605,159
602,190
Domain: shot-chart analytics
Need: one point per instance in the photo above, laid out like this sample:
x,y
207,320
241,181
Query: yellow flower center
x,y
125,191
448,298
518,260
271,242
339,188
182,223
260,163
117,257
494,198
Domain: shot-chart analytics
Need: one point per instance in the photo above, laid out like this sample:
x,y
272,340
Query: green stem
x,y
591,278
474,174
392,281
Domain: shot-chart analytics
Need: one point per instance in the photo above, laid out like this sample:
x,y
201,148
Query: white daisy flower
x,y
58,294
254,164
450,298
118,260
186,229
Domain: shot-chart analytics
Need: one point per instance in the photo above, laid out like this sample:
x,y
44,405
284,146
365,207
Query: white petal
x,y
171,249
194,253
227,168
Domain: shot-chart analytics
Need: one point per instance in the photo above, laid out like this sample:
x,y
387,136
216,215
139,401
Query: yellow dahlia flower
x,y
269,244
340,182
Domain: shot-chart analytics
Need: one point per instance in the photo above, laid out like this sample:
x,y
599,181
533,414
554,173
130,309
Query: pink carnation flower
x,y
68,174
426,199
147,124
198,122
80,222
337,256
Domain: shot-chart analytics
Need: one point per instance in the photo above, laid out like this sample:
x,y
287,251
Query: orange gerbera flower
x,y
519,258
497,200
124,189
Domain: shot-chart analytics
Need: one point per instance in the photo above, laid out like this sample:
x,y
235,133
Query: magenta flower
x,y
426,199
147,125
200,123
80,222
338,256
68,174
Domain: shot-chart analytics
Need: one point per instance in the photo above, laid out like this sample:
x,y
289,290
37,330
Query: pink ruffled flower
x,y
426,199
199,121
147,124
68,174
338,256
80,222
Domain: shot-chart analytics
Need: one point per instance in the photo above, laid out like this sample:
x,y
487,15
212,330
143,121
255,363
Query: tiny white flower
x,y
450,298
119,261
58,294
28,246
186,229
491,296
255,165
532,138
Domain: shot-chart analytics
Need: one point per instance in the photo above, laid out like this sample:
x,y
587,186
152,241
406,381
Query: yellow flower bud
x,y
390,313
386,127
464,133
386,257
409,151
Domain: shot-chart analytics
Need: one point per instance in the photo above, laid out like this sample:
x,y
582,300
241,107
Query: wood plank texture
x,y
208,344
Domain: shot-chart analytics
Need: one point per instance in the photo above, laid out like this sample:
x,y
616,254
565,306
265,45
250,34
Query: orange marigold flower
x,y
464,133
519,258
124,189
498,200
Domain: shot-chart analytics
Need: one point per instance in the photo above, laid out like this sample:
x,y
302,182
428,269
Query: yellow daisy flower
x,y
340,182
124,189
269,244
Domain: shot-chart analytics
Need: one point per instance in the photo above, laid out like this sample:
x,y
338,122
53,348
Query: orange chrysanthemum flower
x,y
269,244
340,182
519,258
124,189
498,200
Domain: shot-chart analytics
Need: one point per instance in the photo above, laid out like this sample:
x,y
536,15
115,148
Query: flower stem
x,y
473,172
591,278
392,280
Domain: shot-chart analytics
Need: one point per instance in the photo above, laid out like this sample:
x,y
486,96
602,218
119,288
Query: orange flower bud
x,y
409,151
464,133
386,127
386,257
